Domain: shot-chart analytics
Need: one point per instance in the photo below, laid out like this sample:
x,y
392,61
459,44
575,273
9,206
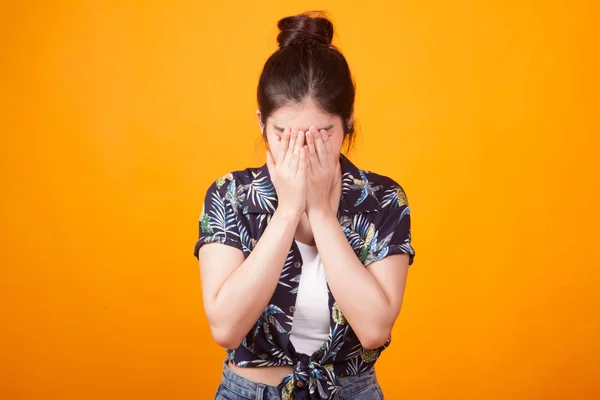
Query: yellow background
x,y
117,115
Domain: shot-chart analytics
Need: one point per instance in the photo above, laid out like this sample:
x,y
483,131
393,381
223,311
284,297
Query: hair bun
x,y
311,27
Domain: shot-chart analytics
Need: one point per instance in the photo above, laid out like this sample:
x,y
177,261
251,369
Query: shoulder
x,y
389,193
238,178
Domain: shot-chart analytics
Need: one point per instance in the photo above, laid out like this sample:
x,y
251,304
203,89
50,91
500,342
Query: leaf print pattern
x,y
235,195
364,238
288,388
375,219
270,312
366,187
338,317
356,366
220,222
394,198
335,341
205,223
369,356
356,229
355,351
285,272
221,181
262,192
247,242
377,250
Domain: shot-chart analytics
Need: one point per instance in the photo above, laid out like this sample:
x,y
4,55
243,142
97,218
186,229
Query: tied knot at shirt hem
x,y
310,381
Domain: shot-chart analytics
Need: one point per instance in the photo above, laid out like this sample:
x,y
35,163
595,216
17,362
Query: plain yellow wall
x,y
117,115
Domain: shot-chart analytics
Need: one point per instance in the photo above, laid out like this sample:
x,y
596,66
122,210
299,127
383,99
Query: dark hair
x,y
307,65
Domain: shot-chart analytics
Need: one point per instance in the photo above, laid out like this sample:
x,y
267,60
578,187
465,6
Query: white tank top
x,y
310,327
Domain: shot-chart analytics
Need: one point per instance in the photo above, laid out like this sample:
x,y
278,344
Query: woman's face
x,y
302,116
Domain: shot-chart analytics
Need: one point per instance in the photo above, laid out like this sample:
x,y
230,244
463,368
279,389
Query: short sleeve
x,y
394,233
218,222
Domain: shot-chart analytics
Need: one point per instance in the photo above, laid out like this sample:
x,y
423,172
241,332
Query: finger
x,y
326,141
299,143
311,154
312,151
329,147
306,156
294,157
293,134
285,140
291,147
320,146
302,164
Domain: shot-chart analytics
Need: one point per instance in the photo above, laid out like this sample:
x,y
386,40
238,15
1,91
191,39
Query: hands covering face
x,y
306,173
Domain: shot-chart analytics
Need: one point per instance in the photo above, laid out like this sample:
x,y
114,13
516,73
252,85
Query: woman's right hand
x,y
288,172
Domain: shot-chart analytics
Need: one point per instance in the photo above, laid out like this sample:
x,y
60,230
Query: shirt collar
x,y
359,194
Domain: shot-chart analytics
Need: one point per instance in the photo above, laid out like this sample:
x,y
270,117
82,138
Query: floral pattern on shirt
x,y
375,218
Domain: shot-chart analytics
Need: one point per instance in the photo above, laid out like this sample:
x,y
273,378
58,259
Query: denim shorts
x,y
236,387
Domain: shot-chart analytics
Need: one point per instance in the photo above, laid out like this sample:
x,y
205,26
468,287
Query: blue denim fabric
x,y
236,387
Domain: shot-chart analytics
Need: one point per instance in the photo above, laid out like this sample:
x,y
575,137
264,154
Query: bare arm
x,y
371,297
236,291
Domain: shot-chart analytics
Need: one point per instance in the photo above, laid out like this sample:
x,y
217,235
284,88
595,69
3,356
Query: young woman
x,y
304,260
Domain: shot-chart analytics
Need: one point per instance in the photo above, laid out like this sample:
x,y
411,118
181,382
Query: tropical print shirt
x,y
375,217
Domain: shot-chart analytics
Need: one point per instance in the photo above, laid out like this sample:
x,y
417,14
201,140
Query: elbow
x,y
222,329
226,337
374,339
374,343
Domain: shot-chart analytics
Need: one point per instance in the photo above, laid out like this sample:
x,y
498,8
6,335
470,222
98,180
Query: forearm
x,y
247,291
357,292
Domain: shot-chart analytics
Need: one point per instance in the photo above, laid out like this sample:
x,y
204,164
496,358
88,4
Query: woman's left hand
x,y
324,186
